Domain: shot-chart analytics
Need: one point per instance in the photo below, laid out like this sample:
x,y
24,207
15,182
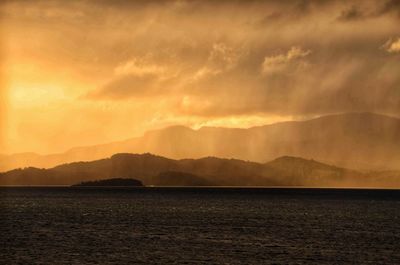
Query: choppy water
x,y
191,226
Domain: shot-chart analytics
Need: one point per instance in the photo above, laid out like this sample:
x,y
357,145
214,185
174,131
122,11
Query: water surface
x,y
203,225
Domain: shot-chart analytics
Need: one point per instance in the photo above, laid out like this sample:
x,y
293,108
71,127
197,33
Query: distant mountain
x,y
351,140
209,171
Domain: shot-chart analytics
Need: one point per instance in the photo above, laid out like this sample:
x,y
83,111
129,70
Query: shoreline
x,y
204,187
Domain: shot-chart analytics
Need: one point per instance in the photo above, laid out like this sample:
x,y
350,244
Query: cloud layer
x,y
196,62
392,46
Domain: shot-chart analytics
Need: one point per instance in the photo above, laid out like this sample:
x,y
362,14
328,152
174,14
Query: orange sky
x,y
86,72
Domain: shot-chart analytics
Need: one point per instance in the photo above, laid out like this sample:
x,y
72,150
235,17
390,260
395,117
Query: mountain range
x,y
352,140
208,171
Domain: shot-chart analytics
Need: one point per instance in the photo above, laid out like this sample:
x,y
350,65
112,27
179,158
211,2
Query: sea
x,y
154,225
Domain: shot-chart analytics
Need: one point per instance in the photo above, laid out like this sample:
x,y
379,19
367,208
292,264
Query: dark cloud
x,y
390,6
329,84
350,14
216,65
377,10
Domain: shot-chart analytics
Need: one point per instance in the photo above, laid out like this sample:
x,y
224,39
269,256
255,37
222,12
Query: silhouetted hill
x,y
157,170
175,178
299,171
352,140
115,182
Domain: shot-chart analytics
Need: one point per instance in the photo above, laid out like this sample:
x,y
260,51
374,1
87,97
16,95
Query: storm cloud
x,y
292,58
192,62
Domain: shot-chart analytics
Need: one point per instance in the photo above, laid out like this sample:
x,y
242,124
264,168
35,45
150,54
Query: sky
x,y
76,73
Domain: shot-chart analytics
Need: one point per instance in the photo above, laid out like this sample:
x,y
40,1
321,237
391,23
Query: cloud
x,y
126,87
137,78
281,62
172,58
351,14
150,76
139,67
370,10
390,6
223,57
392,46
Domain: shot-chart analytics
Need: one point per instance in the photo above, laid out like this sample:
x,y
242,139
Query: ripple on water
x,y
75,227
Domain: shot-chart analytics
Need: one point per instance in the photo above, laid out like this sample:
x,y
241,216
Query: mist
x,y
142,66
86,81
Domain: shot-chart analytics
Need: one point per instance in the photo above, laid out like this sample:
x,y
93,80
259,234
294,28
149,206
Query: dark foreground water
x,y
191,226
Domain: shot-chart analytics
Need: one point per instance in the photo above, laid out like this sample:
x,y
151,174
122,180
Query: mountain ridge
x,y
209,171
358,140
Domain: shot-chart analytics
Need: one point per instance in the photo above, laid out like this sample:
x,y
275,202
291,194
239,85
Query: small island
x,y
114,182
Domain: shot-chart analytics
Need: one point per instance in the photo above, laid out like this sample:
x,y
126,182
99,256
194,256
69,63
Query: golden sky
x,y
85,72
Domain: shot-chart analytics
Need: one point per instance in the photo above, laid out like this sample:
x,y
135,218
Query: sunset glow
x,y
113,71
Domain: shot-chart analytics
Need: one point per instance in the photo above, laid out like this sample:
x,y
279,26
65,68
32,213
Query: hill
x,y
209,171
115,182
351,140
